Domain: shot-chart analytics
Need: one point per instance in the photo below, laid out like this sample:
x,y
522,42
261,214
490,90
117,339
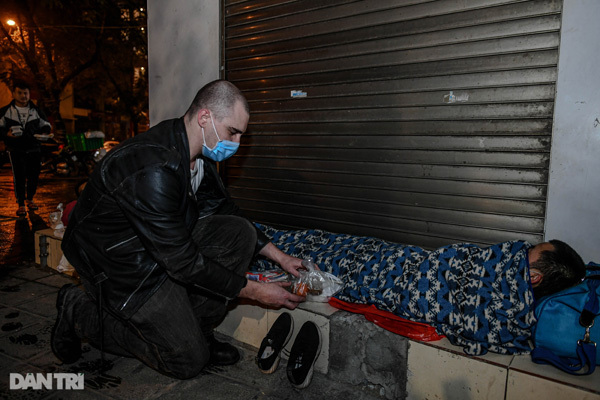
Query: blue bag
x,y
565,334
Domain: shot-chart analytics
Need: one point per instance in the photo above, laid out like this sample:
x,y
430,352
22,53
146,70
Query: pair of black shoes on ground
x,y
66,345
303,355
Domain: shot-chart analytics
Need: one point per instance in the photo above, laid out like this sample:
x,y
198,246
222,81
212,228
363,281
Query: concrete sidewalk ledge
x,y
354,351
361,361
249,322
358,353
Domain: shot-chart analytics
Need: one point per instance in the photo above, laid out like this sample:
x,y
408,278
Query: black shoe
x,y
65,343
271,346
222,353
304,354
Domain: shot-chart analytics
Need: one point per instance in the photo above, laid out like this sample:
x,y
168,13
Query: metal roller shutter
x,y
421,122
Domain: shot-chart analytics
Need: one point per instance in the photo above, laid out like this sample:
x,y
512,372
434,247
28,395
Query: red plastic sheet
x,y
389,321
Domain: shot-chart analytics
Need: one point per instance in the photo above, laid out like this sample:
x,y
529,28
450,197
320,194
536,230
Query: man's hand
x,y
288,263
15,131
271,294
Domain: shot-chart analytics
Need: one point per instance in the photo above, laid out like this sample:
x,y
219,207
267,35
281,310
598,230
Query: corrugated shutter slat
x,y
422,122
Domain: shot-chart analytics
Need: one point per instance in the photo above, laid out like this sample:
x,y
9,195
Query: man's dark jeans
x,y
26,166
168,332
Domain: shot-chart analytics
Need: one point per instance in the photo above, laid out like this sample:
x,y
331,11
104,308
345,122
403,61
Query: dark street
x,y
16,240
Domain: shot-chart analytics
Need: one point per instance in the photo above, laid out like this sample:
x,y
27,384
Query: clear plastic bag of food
x,y
315,284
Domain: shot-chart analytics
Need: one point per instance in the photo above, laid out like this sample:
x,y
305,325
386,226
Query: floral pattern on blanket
x,y
479,298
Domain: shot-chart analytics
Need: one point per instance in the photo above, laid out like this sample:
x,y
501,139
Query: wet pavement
x,y
16,234
27,313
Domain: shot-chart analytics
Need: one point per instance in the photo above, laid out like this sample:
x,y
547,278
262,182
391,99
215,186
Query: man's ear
x,y
536,276
203,117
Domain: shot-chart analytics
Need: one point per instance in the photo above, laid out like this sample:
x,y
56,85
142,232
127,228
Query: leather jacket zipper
x,y
138,287
120,243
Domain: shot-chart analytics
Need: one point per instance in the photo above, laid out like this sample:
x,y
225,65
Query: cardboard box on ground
x,y
48,252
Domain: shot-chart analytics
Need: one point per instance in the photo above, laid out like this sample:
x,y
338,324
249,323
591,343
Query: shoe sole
x,y
60,309
278,359
309,375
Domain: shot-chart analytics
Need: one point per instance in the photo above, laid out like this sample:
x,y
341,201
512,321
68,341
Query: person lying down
x,y
480,298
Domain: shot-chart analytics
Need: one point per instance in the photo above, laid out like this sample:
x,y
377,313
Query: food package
x,y
315,284
275,275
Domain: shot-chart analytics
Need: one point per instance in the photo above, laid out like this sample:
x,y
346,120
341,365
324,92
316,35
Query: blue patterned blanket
x,y
479,298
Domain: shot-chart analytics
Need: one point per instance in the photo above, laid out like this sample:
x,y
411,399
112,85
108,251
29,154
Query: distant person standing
x,y
20,121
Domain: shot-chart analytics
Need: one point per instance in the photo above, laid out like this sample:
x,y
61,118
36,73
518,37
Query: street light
x,y
13,28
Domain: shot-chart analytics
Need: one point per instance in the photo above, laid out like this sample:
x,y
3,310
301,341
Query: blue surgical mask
x,y
224,148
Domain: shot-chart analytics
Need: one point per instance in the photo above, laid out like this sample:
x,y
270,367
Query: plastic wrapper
x,y
64,266
55,220
275,275
315,284
94,135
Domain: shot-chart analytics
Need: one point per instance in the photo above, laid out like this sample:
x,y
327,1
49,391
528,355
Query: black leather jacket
x,y
132,224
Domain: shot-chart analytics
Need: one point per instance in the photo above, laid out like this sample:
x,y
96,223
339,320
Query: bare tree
x,y
41,46
125,63
94,43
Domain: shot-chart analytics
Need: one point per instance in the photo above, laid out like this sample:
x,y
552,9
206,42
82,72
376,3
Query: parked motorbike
x,y
67,162
97,156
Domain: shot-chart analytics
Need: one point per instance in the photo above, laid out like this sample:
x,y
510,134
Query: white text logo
x,y
60,381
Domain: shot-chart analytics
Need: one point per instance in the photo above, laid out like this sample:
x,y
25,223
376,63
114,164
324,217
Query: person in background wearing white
x,y
20,122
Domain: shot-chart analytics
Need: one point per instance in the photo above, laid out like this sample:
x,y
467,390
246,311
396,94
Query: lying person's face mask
x,y
223,149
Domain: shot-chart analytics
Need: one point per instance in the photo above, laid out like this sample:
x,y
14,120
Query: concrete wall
x,y
183,53
573,213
